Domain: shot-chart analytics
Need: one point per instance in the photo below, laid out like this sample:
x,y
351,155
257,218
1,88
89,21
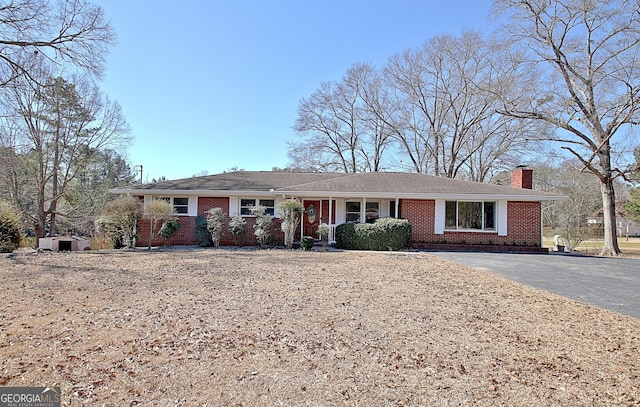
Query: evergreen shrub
x,y
384,234
10,231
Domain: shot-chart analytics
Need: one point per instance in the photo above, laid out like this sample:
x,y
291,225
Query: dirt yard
x,y
215,327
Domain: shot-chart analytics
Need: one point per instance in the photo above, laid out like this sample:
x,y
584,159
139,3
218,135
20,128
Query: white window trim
x,y
347,213
257,200
501,219
496,217
441,215
192,206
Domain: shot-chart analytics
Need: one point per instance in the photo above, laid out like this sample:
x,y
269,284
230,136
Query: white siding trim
x,y
234,206
192,210
440,217
502,218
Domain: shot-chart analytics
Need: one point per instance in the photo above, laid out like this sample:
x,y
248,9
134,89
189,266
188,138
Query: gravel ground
x,y
213,327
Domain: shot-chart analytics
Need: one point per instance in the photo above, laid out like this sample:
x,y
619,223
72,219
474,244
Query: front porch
x,y
336,211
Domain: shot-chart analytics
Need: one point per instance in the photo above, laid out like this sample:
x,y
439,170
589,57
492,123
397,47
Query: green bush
x,y
169,228
384,234
307,242
202,233
10,231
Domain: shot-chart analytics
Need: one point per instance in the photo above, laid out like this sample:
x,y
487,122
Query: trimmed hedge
x,y
384,234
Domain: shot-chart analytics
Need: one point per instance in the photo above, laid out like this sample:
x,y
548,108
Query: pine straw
x,y
221,327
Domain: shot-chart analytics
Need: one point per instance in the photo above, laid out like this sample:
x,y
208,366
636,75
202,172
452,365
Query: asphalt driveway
x,y
609,283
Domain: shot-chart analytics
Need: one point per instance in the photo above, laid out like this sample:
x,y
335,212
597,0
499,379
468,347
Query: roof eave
x,y
198,192
392,195
329,194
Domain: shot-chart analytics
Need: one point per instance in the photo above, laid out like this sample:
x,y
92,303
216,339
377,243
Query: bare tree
x,y
375,131
155,211
338,129
327,122
588,51
569,217
66,31
449,91
60,127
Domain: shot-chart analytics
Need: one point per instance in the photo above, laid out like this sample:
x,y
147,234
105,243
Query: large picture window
x,y
247,203
464,215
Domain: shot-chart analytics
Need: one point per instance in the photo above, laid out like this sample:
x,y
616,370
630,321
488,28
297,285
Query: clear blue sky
x,y
208,85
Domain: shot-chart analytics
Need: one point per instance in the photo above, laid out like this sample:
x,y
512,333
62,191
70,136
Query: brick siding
x,y
186,234
523,225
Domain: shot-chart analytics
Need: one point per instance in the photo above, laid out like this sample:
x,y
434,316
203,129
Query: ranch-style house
x,y
440,210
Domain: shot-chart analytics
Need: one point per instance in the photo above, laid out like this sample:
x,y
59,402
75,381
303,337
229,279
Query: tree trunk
x,y
610,247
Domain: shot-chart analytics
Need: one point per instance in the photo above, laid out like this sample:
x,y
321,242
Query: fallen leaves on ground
x,y
209,327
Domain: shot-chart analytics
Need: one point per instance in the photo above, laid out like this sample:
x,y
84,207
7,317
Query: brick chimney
x,y
522,177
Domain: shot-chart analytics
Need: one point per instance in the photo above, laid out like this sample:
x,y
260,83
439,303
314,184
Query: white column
x,y
302,222
330,221
363,211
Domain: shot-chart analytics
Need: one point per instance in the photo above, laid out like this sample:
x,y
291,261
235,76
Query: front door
x,y
311,218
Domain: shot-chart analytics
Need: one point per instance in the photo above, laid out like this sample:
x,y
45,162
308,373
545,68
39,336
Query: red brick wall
x,y
524,222
523,225
186,234
421,215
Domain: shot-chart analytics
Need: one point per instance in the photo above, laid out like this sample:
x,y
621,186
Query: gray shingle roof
x,y
239,181
382,184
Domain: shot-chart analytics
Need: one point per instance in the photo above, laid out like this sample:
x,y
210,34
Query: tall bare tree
x,y
66,32
60,127
376,133
328,125
338,129
449,91
588,51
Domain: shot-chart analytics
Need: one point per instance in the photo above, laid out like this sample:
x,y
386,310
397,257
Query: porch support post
x,y
302,222
330,238
363,211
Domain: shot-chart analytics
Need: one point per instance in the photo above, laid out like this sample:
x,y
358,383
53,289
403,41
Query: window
x,y
180,204
462,215
353,212
247,203
372,211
